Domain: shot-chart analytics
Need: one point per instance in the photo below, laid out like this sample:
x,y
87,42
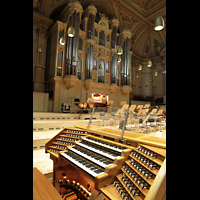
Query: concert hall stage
x,y
45,121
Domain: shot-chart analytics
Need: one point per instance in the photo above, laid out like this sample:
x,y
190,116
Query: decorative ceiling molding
x,y
127,20
137,16
146,7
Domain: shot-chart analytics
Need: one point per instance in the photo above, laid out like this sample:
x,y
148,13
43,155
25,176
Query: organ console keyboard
x,y
90,165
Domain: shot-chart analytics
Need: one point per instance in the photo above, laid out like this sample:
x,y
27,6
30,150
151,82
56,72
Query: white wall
x,y
40,102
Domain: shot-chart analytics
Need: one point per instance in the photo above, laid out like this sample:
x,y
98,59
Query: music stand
x,y
139,107
131,110
110,103
133,106
125,107
118,114
146,106
122,103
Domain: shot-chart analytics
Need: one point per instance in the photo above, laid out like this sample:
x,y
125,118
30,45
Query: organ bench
x,y
97,165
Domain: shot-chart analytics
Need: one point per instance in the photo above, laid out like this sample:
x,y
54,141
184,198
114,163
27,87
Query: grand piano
x,y
97,165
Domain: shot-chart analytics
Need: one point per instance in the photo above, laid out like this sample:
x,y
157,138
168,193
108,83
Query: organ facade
x,y
87,63
65,68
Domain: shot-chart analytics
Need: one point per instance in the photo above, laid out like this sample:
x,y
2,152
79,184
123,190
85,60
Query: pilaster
x,y
41,25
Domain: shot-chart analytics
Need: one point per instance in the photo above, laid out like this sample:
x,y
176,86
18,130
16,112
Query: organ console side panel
x,y
92,165
158,188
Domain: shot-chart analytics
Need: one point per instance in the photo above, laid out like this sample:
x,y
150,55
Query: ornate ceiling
x,y
137,16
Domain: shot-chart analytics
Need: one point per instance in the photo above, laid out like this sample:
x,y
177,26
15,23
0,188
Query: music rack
x,y
130,158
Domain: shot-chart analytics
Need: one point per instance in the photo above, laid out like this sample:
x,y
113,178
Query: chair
x,y
146,106
118,114
153,112
124,107
139,107
131,114
102,114
159,113
113,114
132,107
122,103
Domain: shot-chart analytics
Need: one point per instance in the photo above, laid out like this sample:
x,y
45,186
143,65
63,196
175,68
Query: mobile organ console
x,y
97,165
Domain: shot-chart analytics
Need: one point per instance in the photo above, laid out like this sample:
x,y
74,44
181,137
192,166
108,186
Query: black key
x,y
107,162
101,160
88,165
81,161
92,168
96,158
98,171
84,163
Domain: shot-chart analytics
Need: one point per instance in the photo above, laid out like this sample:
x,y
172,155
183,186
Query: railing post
x,y
90,119
124,125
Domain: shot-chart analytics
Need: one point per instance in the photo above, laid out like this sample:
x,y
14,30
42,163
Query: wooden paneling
x,y
42,188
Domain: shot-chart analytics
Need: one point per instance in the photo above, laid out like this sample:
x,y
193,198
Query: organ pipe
x,y
126,63
72,45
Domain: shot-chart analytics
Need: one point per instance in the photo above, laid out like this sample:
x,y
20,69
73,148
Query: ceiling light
x,y
156,73
62,41
40,49
140,67
158,23
71,31
119,51
149,63
119,58
73,60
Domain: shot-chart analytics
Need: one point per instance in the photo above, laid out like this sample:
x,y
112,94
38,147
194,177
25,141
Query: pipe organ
x,y
97,165
89,59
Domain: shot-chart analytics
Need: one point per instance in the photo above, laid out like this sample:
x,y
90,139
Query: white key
x,y
103,145
90,158
97,151
80,165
